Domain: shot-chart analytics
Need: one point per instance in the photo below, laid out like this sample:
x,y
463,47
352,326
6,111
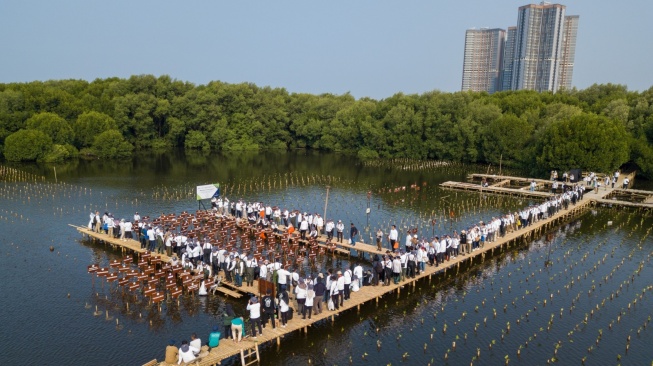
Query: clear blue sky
x,y
368,48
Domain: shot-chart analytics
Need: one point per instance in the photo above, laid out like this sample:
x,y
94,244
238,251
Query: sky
x,y
363,47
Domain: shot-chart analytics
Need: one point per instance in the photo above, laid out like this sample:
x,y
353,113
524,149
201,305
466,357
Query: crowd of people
x,y
311,294
307,293
192,351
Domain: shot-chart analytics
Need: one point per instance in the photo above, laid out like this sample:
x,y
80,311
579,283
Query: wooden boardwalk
x,y
639,199
372,294
495,189
368,294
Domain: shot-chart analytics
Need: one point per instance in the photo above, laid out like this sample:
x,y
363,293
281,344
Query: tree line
x,y
599,128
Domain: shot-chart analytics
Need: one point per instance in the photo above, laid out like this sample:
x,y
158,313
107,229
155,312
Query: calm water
x,y
49,299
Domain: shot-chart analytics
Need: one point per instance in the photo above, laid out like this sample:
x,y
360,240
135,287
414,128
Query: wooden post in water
x,y
326,202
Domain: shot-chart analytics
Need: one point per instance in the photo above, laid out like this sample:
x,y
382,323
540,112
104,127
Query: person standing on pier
x,y
303,228
358,274
319,289
409,241
353,232
340,227
239,270
329,229
283,305
393,237
267,304
255,316
626,183
340,283
379,239
348,275
319,223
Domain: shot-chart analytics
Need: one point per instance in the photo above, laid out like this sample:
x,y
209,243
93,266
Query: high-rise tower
x,y
483,59
538,52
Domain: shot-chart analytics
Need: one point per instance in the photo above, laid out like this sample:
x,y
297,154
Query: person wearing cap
x,y
340,227
255,315
172,352
187,353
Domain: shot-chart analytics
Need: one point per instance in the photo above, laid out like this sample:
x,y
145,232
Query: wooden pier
x,y
373,294
249,348
608,196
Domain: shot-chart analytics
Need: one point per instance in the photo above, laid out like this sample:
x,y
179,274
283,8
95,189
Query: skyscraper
x,y
538,52
568,51
483,59
508,55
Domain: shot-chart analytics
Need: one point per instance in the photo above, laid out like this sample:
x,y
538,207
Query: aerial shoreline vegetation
x,y
599,128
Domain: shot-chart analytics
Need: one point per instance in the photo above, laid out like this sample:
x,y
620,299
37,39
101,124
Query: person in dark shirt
x,y
353,232
320,289
267,304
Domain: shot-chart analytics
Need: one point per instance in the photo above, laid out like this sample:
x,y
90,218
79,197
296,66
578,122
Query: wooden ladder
x,y
249,353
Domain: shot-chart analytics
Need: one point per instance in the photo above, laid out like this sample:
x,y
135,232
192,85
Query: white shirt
x,y
347,275
187,357
341,283
394,234
197,343
358,271
254,310
283,276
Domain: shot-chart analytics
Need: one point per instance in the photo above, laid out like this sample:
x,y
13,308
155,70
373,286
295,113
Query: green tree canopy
x,y
195,140
27,145
52,125
587,141
111,144
90,124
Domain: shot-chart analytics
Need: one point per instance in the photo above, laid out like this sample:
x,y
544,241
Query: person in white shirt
x,y
409,242
300,294
340,227
255,315
347,275
319,223
263,270
334,292
393,236
340,282
358,273
308,304
329,229
282,278
303,228
187,354
195,342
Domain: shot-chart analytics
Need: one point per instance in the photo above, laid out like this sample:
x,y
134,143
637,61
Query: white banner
x,y
207,191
